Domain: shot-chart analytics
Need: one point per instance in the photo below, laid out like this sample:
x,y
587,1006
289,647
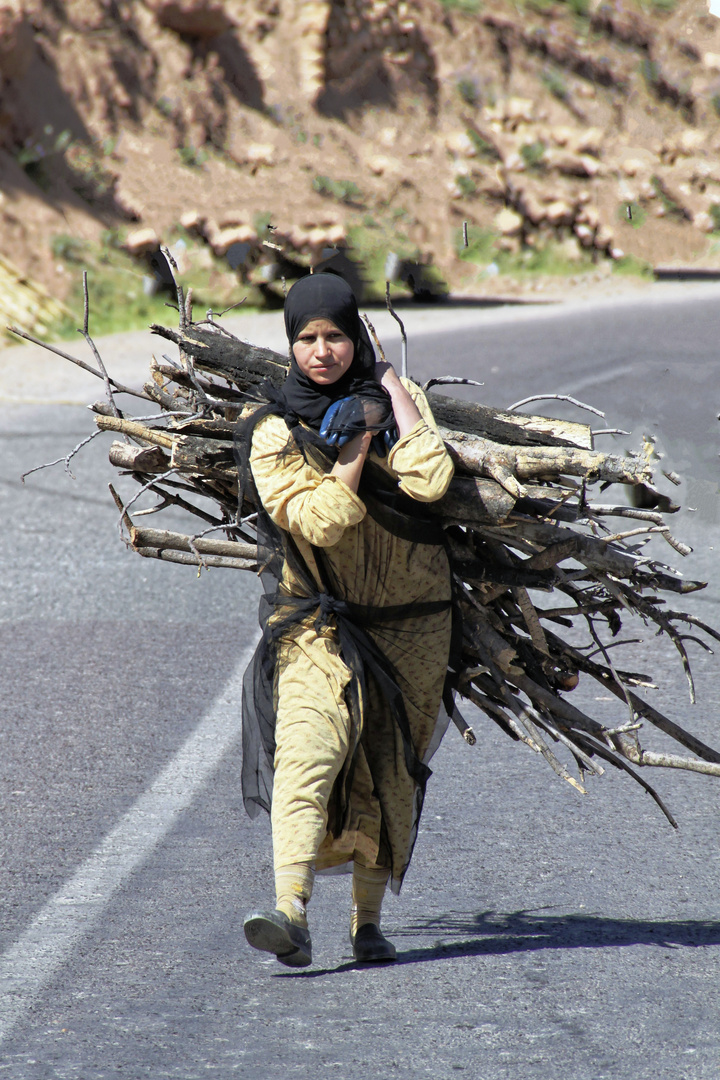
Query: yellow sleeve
x,y
423,465
300,500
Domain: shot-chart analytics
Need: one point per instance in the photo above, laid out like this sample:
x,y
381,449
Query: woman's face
x,y
323,352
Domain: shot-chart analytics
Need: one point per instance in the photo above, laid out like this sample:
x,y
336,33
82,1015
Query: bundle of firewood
x,y
533,550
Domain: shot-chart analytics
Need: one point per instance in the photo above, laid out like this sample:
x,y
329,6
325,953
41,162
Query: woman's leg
x,y
368,890
312,740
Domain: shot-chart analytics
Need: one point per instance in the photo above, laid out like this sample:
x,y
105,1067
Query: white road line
x,y
28,966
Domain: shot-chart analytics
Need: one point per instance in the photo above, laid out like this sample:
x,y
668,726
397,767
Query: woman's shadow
x,y
491,933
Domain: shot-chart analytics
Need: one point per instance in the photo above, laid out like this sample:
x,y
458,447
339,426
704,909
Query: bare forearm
x,y
406,411
351,459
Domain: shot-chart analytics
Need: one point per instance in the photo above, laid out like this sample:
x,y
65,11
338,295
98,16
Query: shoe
x,y
272,931
370,946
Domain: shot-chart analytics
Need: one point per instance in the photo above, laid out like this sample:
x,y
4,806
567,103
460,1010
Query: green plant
x,y
36,149
371,244
650,71
672,208
633,213
165,107
548,258
467,185
117,288
261,222
482,246
192,157
553,259
714,212
90,179
35,152
483,148
67,248
345,191
634,266
468,91
555,83
533,154
715,102
470,6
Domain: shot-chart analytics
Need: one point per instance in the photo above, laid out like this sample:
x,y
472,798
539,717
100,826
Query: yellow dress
x,y
321,743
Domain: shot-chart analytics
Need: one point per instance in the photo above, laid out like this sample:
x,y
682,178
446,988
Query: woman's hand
x,y
406,411
350,461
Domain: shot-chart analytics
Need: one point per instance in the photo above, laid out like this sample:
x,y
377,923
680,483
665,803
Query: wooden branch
x,y
136,430
214,457
555,397
248,365
119,387
480,457
159,538
140,459
673,761
188,559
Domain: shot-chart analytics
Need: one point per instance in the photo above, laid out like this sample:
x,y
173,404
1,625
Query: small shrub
x,y
482,246
345,191
261,222
467,185
35,153
483,148
633,266
192,157
715,102
650,71
637,215
554,82
672,209
67,248
470,6
714,212
89,177
533,154
468,91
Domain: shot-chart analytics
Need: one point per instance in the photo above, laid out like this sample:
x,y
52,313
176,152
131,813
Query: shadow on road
x,y
491,933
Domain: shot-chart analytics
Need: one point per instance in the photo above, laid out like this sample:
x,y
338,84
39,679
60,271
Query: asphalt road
x,y
542,935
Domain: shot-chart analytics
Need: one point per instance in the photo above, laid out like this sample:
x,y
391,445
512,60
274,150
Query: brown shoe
x,y
370,946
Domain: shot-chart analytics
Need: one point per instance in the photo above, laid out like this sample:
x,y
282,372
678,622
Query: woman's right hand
x,y
350,461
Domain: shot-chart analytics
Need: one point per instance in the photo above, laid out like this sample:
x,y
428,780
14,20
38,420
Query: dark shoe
x,y
272,931
370,946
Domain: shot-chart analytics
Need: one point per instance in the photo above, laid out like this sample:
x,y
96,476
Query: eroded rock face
x,y
403,118
192,18
373,47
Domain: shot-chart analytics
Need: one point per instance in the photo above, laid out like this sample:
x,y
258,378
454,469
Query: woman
x,y
341,702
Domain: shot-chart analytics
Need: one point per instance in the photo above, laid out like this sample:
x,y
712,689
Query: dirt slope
x,y
382,122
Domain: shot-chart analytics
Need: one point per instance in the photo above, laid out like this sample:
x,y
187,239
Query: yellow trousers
x,y
313,739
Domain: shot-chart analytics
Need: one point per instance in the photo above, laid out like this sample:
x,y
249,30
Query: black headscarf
x,y
327,296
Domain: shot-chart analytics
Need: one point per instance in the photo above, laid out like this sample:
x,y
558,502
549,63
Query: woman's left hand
x,y
386,375
406,411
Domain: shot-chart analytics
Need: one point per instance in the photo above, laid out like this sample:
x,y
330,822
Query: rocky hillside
x,y
566,133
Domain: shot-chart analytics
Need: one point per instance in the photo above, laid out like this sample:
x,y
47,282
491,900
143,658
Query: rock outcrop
x,y
394,119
